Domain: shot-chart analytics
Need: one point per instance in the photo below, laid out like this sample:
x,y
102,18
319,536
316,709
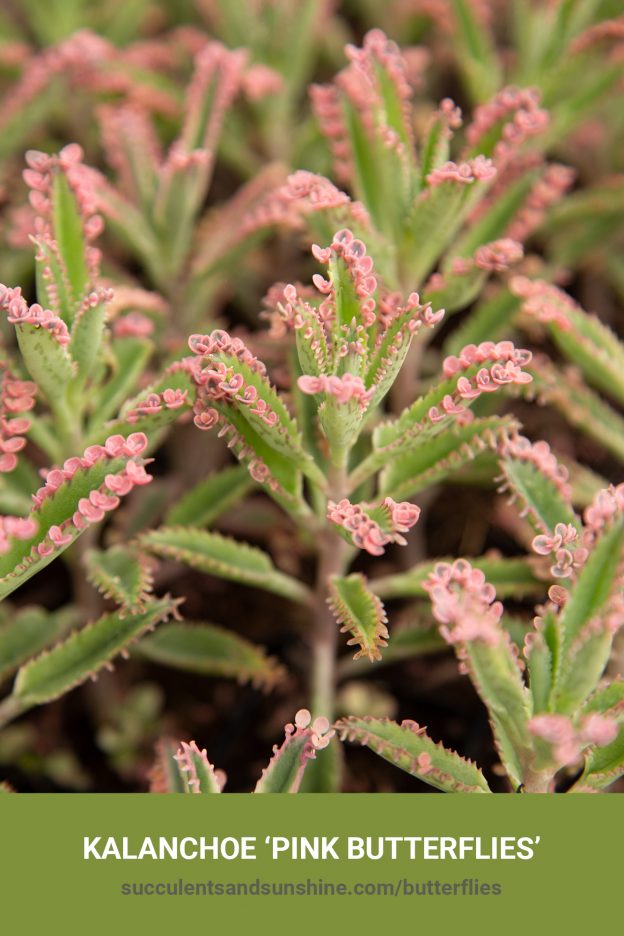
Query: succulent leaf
x,y
202,648
223,557
197,773
85,652
409,747
361,613
121,575
285,770
28,632
210,498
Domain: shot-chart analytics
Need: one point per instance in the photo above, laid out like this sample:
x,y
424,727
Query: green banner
x,y
293,864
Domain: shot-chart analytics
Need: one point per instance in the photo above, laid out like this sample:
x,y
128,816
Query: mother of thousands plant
x,y
356,418
339,471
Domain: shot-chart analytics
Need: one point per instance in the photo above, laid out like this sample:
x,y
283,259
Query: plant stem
x,y
10,708
332,551
537,781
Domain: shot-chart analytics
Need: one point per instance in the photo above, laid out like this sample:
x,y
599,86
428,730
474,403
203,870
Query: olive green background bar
x,y
574,882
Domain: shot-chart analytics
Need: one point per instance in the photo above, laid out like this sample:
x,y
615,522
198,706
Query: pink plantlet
x,y
20,313
544,302
464,603
19,528
547,191
499,255
479,169
567,740
539,454
368,533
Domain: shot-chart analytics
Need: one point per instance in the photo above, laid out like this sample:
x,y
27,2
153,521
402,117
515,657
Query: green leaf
x,y
609,700
435,220
284,437
494,671
388,358
361,613
210,498
490,321
211,651
540,665
121,575
408,747
53,288
594,348
22,560
164,775
47,361
68,234
285,770
152,422
284,471
584,644
603,766
84,653
477,54
437,454
458,290
539,496
27,632
86,338
129,358
582,408
197,773
223,557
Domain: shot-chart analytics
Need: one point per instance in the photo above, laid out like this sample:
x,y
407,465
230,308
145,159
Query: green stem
x,y
333,554
11,708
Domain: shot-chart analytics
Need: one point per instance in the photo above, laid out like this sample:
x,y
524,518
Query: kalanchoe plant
x,y
357,417
326,455
556,719
81,373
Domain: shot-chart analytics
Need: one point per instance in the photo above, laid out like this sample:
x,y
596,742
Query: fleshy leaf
x,y
604,765
361,613
84,653
585,640
211,497
121,575
608,700
409,747
285,770
164,775
129,357
68,233
540,497
226,558
48,362
28,632
56,512
197,773
435,457
212,651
